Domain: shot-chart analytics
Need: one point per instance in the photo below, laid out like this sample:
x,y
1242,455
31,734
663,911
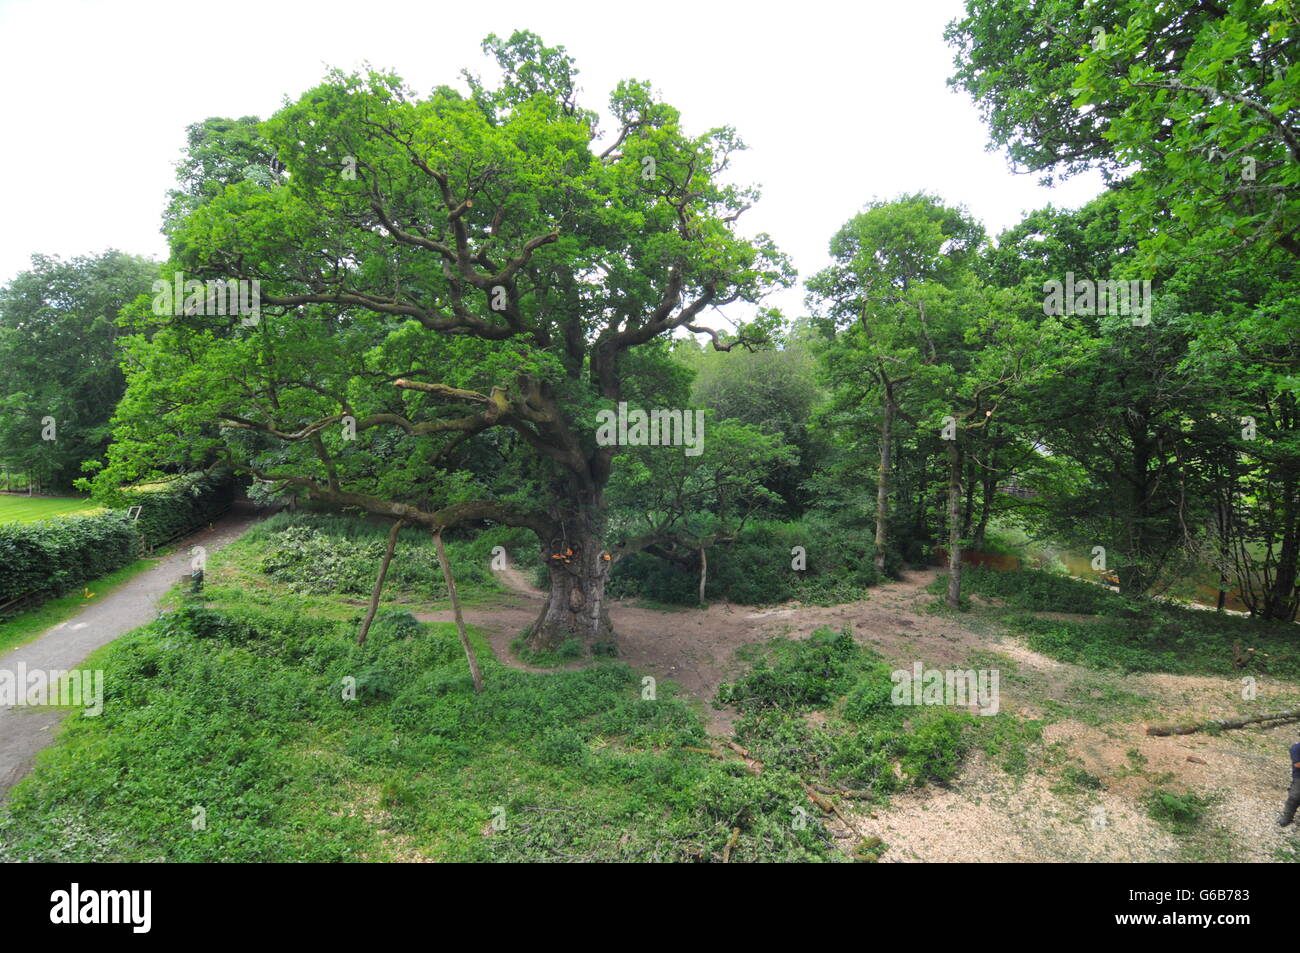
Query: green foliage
x,y
795,675
510,196
319,554
180,506
55,556
1181,813
59,359
756,569
1039,591
567,651
1195,104
1164,638
239,710
774,390
866,741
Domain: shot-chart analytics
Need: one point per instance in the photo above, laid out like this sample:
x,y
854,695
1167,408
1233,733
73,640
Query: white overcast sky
x,y
839,102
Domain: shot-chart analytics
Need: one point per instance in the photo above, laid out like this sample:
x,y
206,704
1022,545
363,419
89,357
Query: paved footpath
x,y
25,731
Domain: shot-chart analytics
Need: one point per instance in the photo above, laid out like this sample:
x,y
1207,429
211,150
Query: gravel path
x,y
24,731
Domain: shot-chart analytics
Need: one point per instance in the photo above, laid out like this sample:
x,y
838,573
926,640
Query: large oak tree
x,y
462,280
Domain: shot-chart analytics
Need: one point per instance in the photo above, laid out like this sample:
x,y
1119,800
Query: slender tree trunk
x,y
882,483
988,486
379,583
954,525
455,608
968,515
921,527
704,573
1221,527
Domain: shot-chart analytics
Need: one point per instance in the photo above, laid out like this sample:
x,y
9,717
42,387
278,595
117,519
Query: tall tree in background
x,y
1173,441
1244,346
886,261
459,282
774,389
1115,409
59,361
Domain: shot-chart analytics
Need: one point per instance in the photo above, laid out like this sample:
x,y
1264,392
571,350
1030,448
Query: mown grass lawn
x,y
30,509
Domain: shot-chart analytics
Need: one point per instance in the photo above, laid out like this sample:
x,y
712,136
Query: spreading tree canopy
x,y
452,287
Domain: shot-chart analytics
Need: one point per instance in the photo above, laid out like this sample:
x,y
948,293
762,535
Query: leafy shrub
x,y
180,506
52,557
55,556
330,554
936,746
1182,813
800,675
756,569
561,745
871,697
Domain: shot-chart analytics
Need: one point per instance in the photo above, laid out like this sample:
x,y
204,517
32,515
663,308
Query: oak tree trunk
x,y
578,566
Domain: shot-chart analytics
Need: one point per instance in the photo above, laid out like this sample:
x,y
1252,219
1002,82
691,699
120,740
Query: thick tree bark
x,y
954,525
578,565
882,483
379,583
455,609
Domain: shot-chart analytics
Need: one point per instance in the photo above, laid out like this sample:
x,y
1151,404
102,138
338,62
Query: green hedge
x,y
52,557
55,556
182,506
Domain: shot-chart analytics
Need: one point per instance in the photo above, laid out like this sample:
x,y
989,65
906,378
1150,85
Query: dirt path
x,y
24,731
1096,726
697,647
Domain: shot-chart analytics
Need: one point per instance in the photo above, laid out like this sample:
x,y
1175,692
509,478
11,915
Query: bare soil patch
x,y
1096,723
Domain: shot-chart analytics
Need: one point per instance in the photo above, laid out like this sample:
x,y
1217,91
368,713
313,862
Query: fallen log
x,y
1222,723
709,751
